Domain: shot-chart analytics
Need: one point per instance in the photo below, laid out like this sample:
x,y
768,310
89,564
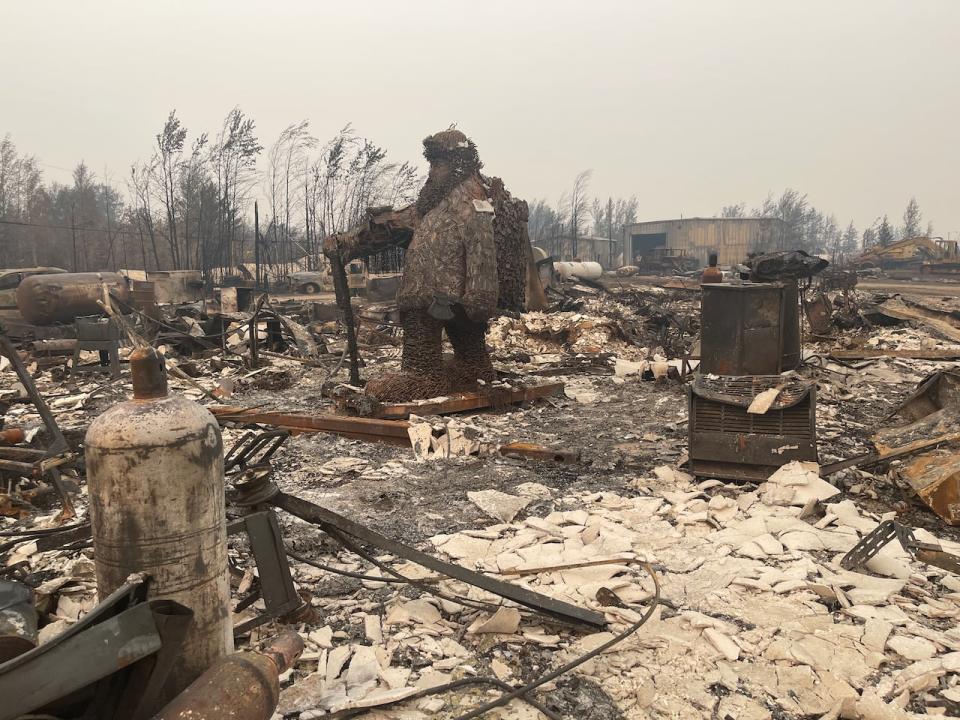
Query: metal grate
x,y
748,387
711,416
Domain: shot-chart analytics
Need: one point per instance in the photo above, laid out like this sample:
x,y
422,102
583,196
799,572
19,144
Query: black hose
x,y
44,531
354,548
436,690
338,571
543,679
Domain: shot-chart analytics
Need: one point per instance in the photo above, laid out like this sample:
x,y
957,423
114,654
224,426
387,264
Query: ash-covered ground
x,y
757,619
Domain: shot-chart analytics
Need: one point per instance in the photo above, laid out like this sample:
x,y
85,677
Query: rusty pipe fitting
x,y
149,374
284,649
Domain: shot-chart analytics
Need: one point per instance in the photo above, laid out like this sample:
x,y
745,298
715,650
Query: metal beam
x,y
541,603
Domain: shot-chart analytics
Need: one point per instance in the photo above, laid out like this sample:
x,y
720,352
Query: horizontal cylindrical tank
x,y
155,477
60,298
585,270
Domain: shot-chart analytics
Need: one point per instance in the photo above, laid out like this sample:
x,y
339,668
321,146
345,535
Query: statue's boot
x,y
405,386
471,361
421,370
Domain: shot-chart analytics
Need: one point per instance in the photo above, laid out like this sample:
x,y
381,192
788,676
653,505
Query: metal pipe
x,y
149,374
11,436
242,686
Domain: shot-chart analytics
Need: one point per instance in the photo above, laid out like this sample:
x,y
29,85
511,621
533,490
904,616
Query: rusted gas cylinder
x,y
59,298
155,478
243,686
12,436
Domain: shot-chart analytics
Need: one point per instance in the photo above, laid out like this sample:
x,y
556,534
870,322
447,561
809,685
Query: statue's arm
x,y
383,228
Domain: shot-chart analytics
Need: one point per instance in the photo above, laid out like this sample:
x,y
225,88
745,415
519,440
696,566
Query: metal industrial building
x,y
590,248
731,238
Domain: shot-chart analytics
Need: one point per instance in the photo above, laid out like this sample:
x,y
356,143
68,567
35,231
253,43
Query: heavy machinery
x,y
912,257
666,261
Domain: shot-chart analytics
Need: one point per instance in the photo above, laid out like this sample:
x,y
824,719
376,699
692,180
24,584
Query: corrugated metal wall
x,y
732,238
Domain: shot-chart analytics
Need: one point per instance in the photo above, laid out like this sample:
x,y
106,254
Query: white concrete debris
x,y
445,438
765,611
498,505
796,483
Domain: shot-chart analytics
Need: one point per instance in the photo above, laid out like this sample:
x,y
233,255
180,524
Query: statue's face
x,y
441,179
440,171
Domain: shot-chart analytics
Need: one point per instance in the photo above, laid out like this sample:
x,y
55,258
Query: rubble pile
x,y
757,616
630,326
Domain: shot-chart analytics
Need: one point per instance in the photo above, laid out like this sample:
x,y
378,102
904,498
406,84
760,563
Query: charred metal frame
x,y
100,334
58,453
254,450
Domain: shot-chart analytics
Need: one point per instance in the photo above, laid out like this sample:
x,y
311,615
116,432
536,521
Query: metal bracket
x,y
266,491
871,544
276,583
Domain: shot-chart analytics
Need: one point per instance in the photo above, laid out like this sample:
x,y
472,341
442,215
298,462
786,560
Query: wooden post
x,y
342,289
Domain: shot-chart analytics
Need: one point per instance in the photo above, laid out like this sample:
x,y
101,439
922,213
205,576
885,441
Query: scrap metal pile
x,y
552,545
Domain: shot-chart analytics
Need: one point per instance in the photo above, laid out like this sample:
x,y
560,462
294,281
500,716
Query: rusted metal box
x,y
749,328
176,286
144,294
96,329
728,442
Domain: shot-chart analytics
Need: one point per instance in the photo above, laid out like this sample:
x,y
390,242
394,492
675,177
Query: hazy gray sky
x,y
689,105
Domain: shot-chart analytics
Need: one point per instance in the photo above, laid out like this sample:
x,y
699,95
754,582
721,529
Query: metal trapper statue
x,y
466,258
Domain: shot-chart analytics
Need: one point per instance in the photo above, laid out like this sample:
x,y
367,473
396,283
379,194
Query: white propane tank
x,y
586,270
155,477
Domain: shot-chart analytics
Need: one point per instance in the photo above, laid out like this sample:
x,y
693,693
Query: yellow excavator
x,y
913,256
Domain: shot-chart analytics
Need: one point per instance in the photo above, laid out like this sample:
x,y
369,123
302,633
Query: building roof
x,y
586,238
702,219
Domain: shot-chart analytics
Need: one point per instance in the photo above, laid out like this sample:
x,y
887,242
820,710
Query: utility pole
x,y
610,228
73,233
202,241
111,260
256,245
311,264
574,221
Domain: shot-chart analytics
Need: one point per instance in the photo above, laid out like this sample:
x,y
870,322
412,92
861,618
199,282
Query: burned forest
x,y
355,420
